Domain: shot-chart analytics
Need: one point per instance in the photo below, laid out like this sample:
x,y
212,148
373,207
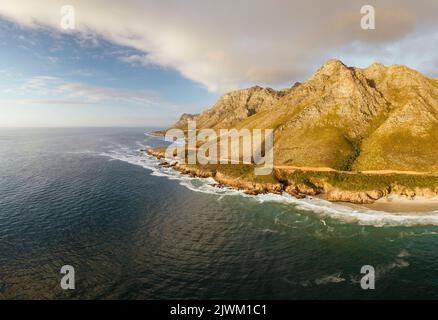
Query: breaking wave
x,y
323,208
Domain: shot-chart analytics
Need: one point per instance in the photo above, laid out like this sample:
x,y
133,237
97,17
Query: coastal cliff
x,y
334,186
346,134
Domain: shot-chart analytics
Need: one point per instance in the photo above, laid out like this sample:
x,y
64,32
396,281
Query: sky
x,y
143,63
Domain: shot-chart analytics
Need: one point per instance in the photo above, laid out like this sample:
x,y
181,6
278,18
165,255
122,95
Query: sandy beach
x,y
398,204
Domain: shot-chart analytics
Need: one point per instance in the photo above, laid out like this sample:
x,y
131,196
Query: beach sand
x,y
399,204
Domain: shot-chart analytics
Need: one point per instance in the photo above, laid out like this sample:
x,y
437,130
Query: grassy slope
x,y
359,181
400,150
327,141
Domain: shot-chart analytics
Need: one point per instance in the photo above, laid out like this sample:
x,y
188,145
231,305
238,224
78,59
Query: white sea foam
x,y
267,230
332,278
323,208
404,254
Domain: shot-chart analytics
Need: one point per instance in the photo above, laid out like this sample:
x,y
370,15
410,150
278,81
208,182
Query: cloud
x,y
98,93
134,59
44,102
229,44
82,93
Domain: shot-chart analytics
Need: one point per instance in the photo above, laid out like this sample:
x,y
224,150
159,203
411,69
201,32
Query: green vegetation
x,y
348,165
236,171
400,149
344,118
358,181
314,146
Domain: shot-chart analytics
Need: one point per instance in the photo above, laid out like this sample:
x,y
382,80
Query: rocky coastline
x,y
283,182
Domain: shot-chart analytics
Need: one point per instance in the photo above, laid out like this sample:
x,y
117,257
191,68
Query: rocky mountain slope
x,y
234,107
352,119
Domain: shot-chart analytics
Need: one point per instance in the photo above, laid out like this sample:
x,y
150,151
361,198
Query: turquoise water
x,y
90,199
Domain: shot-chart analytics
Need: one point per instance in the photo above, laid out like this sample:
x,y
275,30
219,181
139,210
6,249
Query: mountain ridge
x,y
346,118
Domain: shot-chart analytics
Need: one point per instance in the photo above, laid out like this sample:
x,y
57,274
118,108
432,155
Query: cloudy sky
x,y
142,63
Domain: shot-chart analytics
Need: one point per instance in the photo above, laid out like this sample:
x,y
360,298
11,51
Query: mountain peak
x,y
377,65
334,62
331,67
403,70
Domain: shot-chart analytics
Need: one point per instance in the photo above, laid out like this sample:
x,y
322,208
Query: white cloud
x,y
82,93
134,59
39,84
228,44
43,102
98,93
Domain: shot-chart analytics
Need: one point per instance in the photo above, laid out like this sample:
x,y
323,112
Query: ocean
x,y
91,199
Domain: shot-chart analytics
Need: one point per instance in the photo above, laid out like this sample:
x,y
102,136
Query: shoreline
x,y
394,197
396,204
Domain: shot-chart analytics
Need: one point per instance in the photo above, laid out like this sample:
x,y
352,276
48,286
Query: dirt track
x,y
373,172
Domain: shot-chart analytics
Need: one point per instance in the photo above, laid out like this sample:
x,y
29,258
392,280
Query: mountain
x,y
234,107
345,118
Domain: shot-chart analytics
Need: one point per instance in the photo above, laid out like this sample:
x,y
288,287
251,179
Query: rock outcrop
x,y
233,107
312,185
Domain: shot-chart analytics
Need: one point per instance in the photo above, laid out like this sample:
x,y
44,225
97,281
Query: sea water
x,y
90,198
